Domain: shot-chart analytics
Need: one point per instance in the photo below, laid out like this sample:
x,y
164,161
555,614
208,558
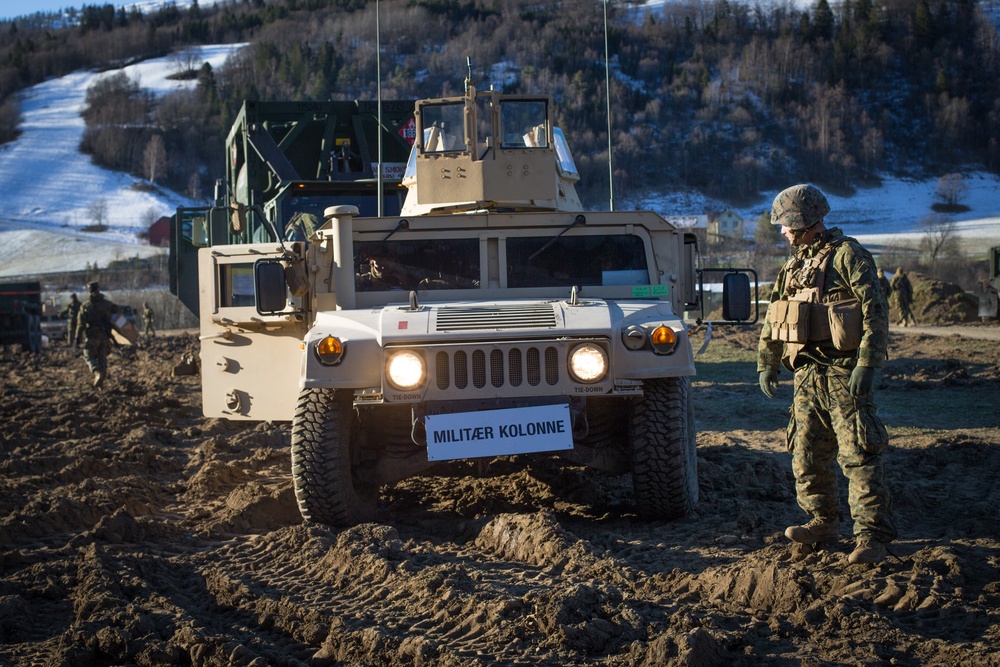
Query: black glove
x,y
768,382
862,379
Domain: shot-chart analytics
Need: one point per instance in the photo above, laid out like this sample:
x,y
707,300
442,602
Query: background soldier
x,y
72,315
147,318
884,284
902,293
834,416
95,328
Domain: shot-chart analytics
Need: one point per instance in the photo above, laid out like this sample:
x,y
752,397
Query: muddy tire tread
x,y
664,461
326,489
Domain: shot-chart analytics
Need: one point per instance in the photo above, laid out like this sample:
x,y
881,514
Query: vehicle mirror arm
x,y
270,225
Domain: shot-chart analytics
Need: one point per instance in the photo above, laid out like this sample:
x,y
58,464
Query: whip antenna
x,y
378,86
607,84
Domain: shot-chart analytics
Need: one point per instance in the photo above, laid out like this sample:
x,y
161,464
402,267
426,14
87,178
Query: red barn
x,y
159,232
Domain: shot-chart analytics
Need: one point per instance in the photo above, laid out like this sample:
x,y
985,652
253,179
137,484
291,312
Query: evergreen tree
x,y
923,23
822,22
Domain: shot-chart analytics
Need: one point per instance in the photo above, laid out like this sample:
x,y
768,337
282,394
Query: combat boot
x,y
98,378
817,530
868,550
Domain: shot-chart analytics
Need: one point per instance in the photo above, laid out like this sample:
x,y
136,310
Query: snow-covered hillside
x,y
49,188
895,210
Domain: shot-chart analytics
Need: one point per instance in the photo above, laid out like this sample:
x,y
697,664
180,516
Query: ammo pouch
x,y
789,321
845,324
804,321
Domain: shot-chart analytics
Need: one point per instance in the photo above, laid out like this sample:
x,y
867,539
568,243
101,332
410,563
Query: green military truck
x,y
490,315
21,315
286,163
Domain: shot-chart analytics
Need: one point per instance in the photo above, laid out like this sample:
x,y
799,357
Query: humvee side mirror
x,y
736,297
270,296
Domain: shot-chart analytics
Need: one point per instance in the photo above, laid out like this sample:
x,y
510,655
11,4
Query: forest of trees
x,y
726,97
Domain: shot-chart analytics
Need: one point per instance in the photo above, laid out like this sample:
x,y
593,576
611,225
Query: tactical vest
x,y
807,313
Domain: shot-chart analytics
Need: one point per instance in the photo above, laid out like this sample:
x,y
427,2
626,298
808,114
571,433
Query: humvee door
x,y
249,361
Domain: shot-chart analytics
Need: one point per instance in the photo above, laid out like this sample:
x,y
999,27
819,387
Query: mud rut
x,y
135,531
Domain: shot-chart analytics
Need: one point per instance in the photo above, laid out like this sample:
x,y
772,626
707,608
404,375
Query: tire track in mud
x,y
147,535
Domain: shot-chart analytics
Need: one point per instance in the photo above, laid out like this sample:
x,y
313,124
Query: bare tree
x,y
939,238
194,186
185,62
98,213
154,159
952,189
149,217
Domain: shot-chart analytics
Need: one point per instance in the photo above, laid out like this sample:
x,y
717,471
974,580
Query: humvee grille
x,y
493,318
498,367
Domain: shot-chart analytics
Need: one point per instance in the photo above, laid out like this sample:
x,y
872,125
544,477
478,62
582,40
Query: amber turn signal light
x,y
663,340
329,351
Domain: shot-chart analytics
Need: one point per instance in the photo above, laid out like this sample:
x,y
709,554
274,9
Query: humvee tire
x,y
662,444
324,456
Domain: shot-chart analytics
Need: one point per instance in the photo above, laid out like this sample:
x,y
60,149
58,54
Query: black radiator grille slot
x,y
499,367
494,318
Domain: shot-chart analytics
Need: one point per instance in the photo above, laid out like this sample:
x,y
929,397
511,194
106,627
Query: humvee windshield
x,y
304,214
587,260
523,124
590,260
443,126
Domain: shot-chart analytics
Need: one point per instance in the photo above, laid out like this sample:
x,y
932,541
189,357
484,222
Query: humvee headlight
x,y
329,351
405,370
588,363
634,337
663,339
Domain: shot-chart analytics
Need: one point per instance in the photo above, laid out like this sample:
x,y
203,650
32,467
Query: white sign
x,y
391,171
539,428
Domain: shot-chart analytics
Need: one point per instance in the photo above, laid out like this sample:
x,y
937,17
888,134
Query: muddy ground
x,y
136,532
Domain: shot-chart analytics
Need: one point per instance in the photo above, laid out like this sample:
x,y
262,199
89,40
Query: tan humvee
x,y
492,317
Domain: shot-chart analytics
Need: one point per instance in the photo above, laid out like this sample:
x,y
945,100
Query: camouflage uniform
x,y
301,227
827,423
148,318
95,327
72,314
902,294
884,283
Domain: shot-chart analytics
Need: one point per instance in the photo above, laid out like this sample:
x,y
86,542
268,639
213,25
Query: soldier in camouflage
x,y
833,415
72,313
148,318
884,282
902,294
95,328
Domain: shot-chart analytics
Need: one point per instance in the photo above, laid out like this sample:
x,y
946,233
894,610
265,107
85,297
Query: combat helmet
x,y
799,207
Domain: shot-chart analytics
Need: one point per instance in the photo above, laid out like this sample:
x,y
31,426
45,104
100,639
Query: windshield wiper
x,y
580,220
402,224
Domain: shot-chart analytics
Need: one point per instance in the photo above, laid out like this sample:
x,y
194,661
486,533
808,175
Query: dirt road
x,y
990,331
135,531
